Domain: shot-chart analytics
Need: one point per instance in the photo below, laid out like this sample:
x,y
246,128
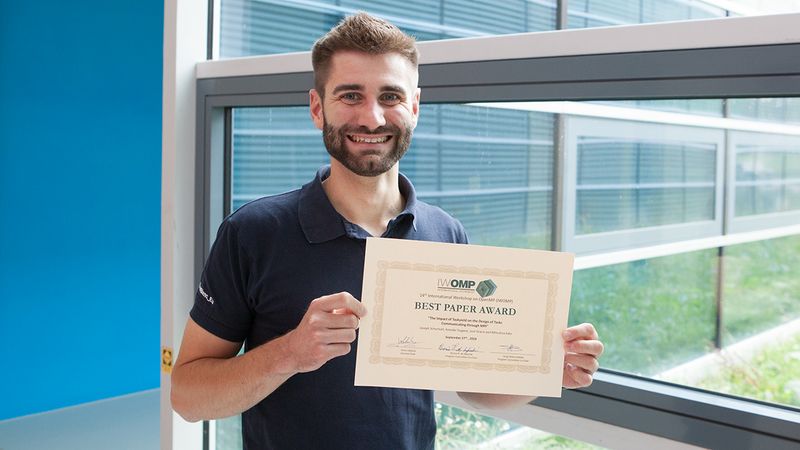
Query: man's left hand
x,y
582,347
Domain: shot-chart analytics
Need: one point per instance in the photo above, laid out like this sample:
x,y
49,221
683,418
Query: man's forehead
x,y
356,54
358,68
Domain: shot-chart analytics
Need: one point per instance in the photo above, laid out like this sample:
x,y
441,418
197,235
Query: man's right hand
x,y
326,331
210,382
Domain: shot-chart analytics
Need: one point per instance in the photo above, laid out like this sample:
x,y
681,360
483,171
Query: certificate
x,y
460,317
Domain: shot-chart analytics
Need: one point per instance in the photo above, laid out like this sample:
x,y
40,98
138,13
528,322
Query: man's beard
x,y
336,139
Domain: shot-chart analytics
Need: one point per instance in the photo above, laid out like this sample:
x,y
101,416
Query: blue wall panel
x,y
80,168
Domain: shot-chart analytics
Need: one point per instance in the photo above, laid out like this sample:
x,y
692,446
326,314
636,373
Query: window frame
x,y
755,221
606,241
696,64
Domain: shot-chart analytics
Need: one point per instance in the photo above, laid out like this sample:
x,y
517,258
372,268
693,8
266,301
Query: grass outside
x,y
655,314
761,286
460,429
651,314
773,375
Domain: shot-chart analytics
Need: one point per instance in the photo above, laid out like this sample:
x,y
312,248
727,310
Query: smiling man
x,y
285,273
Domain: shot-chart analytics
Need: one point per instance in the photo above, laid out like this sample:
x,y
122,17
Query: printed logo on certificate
x,y
463,317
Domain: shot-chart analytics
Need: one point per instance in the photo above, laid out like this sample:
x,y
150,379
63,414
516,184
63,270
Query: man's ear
x,y
415,106
315,107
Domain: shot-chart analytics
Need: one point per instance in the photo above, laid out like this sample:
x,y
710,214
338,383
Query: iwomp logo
x,y
486,288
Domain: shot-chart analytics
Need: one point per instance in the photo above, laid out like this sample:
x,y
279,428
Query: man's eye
x,y
350,97
390,98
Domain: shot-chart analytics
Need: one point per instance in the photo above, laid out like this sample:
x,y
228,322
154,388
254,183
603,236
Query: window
x,y
766,179
677,192
491,168
249,27
596,13
632,183
458,429
635,183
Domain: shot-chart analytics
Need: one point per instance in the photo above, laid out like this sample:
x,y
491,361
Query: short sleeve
x,y
461,234
221,305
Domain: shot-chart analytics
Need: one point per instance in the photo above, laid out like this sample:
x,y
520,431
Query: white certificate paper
x,y
460,317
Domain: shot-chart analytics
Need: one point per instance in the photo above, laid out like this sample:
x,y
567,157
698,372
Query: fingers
x,y
338,350
575,377
588,347
582,331
332,337
324,319
326,331
338,303
334,311
587,363
583,347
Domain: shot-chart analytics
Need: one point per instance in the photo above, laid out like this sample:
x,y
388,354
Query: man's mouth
x,y
368,139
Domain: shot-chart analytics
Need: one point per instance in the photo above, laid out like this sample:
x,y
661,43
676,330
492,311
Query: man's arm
x,y
209,381
582,346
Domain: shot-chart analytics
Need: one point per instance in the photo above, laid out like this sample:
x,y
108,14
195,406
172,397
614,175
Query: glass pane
x,y
229,433
769,373
730,325
760,318
596,13
274,150
632,174
662,168
657,182
762,287
490,168
461,429
457,429
260,27
780,110
658,318
651,314
767,174
701,107
603,13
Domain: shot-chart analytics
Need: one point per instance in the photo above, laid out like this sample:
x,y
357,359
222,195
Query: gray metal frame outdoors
x,y
675,412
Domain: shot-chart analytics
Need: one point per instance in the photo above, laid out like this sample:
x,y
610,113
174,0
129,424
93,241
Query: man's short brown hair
x,y
361,33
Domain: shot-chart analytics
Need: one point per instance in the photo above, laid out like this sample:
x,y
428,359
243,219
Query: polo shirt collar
x,y
321,222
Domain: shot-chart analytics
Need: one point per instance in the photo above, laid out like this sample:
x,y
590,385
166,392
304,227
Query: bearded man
x,y
284,275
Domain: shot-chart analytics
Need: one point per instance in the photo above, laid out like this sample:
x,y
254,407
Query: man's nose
x,y
371,115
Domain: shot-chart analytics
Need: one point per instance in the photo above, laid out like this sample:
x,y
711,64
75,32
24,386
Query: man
x,y
284,275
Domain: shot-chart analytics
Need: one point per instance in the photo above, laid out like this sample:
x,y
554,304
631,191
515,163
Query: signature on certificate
x,y
405,342
511,348
458,348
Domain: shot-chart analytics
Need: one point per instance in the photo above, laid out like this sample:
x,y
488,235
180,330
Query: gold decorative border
x,y
377,326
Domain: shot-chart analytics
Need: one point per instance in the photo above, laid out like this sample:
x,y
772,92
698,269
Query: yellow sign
x,y
166,359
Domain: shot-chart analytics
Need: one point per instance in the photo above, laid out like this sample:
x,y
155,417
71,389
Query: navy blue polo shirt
x,y
271,258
